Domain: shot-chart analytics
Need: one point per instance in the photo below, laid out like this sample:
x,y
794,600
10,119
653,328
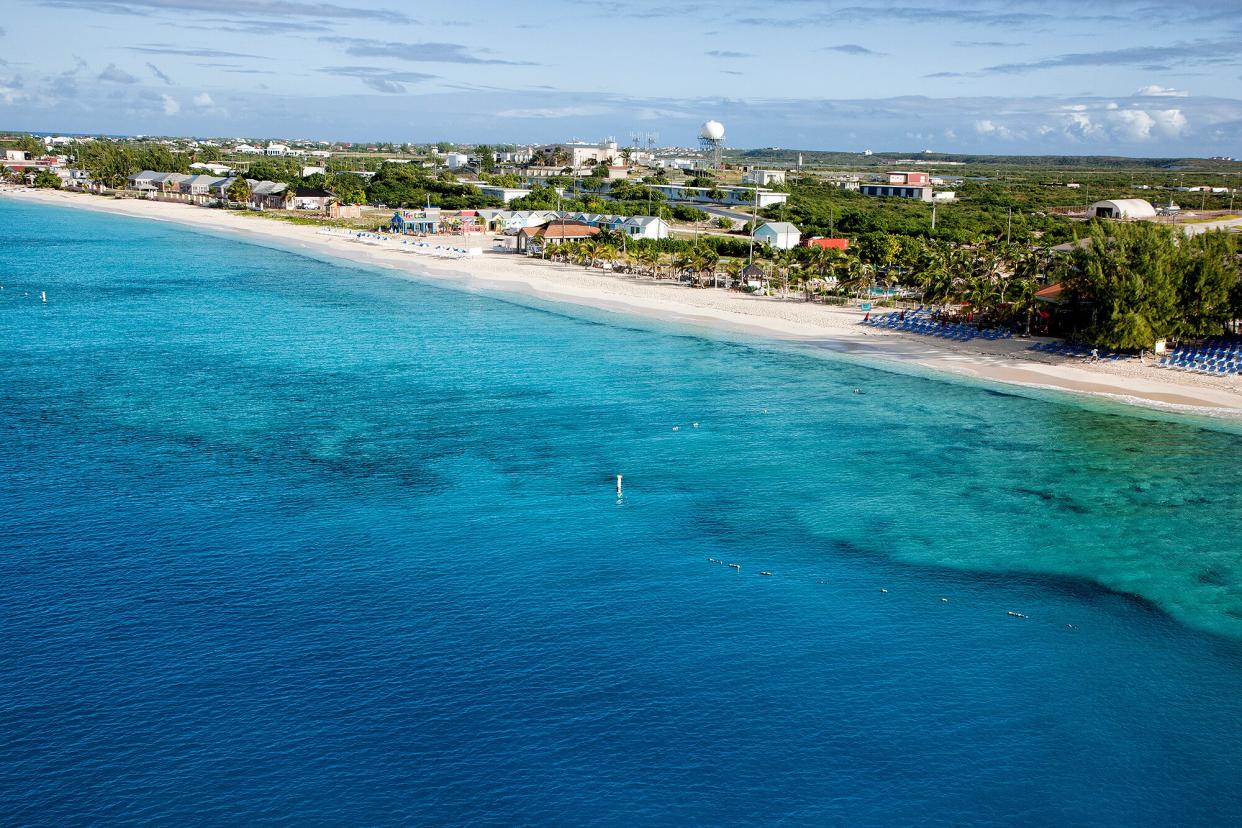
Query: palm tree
x,y
649,257
942,276
588,252
683,262
986,290
860,276
784,260
238,191
583,252
604,253
822,260
705,262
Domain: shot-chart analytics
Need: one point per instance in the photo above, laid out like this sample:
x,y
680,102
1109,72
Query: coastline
x,y
828,328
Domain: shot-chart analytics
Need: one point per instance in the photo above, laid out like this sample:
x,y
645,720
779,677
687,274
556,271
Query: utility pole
x,y
1009,228
754,218
933,217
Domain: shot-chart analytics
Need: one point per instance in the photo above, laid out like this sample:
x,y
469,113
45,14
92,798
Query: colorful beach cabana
x,y
415,222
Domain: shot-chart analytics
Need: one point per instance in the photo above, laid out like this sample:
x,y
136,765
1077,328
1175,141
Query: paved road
x,y
1196,229
723,212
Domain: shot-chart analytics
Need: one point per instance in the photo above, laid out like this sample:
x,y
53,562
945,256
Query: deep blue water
x,y
288,542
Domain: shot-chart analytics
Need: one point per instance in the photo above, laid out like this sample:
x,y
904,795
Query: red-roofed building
x,y
826,243
554,232
1050,294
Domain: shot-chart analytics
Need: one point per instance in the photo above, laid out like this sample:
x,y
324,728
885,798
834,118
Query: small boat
x,y
1016,614
944,600
714,560
769,574
738,567
882,589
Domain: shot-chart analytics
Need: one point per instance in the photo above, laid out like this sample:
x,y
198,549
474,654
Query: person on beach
x,y
1095,354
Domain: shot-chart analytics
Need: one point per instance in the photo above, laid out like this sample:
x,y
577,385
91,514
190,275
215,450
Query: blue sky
x,y
1130,77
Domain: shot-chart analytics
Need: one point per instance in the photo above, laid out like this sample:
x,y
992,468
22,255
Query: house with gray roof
x,y
779,235
268,195
645,227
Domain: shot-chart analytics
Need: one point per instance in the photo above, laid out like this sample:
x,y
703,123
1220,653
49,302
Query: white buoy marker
x,y
618,485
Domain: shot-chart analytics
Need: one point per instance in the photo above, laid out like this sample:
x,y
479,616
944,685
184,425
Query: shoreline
x,y
826,328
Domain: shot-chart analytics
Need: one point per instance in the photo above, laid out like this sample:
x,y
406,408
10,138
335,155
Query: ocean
x,y
293,542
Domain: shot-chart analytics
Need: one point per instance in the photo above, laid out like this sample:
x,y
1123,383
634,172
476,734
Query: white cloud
x,y
1078,125
10,90
1133,125
991,128
1108,121
551,112
203,99
1171,122
171,107
1161,92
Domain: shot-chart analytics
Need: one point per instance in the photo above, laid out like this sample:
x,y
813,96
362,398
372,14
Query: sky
x,y
1121,77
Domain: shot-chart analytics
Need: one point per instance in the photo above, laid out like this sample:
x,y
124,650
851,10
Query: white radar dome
x,y
712,131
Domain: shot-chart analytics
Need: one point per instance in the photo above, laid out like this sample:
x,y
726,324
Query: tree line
x,y
1134,284
1126,287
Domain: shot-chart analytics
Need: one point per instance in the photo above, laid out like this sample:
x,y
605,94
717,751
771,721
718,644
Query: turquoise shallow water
x,y
292,542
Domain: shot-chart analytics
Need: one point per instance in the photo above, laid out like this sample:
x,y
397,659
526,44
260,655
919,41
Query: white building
x,y
581,154
247,149
645,227
764,178
508,220
456,160
1122,208
276,150
218,169
740,196
517,157
505,194
309,170
779,235
944,195
687,164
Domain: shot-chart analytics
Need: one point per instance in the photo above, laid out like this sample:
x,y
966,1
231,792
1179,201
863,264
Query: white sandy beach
x,y
830,327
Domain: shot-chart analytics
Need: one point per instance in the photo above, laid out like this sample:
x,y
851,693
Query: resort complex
x,y
894,245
